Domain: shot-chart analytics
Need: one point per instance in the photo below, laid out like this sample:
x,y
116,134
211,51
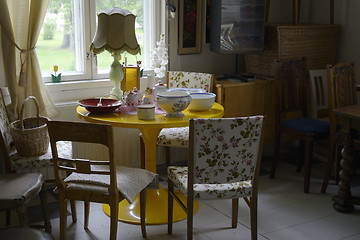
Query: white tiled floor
x,y
285,212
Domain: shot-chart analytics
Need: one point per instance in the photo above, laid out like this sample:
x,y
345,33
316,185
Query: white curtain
x,y
21,22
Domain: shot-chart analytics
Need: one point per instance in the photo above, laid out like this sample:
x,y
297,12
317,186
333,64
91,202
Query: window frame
x,y
155,11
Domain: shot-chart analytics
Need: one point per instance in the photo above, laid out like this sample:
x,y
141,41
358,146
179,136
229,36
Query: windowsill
x,y
73,91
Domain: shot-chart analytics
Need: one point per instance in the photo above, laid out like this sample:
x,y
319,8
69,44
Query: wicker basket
x,y
30,135
317,43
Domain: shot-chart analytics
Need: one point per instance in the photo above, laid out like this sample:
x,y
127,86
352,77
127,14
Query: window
x,y
69,27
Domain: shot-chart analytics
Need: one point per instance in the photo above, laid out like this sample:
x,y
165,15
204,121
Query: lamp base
x,y
117,92
116,76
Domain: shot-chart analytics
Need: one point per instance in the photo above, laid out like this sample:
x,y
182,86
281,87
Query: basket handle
x,y
22,110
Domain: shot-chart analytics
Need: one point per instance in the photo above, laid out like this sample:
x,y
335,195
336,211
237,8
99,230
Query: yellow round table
x,y
156,200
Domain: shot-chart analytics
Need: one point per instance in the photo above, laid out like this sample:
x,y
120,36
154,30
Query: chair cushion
x,y
17,189
174,137
130,181
42,163
308,125
180,79
179,175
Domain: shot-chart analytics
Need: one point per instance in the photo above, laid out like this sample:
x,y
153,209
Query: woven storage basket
x,y
317,43
30,135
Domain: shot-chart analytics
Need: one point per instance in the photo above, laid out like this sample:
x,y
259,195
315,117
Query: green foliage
x,y
49,28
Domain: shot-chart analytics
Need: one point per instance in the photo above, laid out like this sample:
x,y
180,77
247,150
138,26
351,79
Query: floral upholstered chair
x,y
26,164
179,137
224,162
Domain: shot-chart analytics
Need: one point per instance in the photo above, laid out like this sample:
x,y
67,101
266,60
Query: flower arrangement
x,y
56,78
159,57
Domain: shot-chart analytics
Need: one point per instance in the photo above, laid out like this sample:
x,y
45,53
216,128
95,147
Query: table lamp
x,y
116,34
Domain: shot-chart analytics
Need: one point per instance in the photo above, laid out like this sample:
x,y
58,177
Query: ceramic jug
x,y
139,95
130,99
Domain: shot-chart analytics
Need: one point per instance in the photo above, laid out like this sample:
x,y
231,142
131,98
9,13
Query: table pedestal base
x,y
156,208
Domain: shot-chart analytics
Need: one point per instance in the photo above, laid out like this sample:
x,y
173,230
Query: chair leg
x,y
170,205
86,214
22,214
73,211
235,210
114,210
307,165
167,156
275,153
44,205
300,162
63,215
253,216
8,217
190,214
142,212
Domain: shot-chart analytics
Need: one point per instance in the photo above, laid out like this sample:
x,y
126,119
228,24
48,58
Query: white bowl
x,y
201,101
173,102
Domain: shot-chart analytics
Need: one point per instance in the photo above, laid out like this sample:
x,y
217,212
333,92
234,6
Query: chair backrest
x,y
291,78
341,88
6,141
319,94
85,133
224,150
131,78
180,79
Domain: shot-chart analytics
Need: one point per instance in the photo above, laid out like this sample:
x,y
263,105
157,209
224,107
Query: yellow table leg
x,y
156,208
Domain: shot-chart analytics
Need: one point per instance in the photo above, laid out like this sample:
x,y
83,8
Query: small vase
x,y
56,79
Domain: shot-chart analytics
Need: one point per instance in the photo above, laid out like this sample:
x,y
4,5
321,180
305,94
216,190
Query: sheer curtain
x,y
21,22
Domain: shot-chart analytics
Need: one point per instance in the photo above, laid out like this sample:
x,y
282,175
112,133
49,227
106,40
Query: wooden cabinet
x,y
248,98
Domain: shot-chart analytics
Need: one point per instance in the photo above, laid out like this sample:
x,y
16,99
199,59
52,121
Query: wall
x,y
346,14
207,61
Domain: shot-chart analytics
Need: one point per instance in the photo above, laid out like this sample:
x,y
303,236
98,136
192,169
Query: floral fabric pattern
x,y
4,124
176,137
179,137
179,79
27,164
42,163
225,157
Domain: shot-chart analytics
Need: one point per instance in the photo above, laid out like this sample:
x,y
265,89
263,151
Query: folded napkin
x,y
130,181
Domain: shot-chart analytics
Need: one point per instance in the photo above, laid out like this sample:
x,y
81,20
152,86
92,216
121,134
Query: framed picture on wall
x,y
189,26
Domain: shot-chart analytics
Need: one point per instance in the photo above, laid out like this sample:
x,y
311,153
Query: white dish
x,y
201,101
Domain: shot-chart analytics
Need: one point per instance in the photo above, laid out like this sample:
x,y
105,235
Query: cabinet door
x,y
244,99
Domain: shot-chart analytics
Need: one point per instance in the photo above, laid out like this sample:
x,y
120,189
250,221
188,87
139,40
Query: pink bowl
x,y
107,105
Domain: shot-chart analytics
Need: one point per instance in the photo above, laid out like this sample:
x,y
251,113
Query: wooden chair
x,y
16,192
319,94
16,163
179,137
291,116
342,92
224,163
95,181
